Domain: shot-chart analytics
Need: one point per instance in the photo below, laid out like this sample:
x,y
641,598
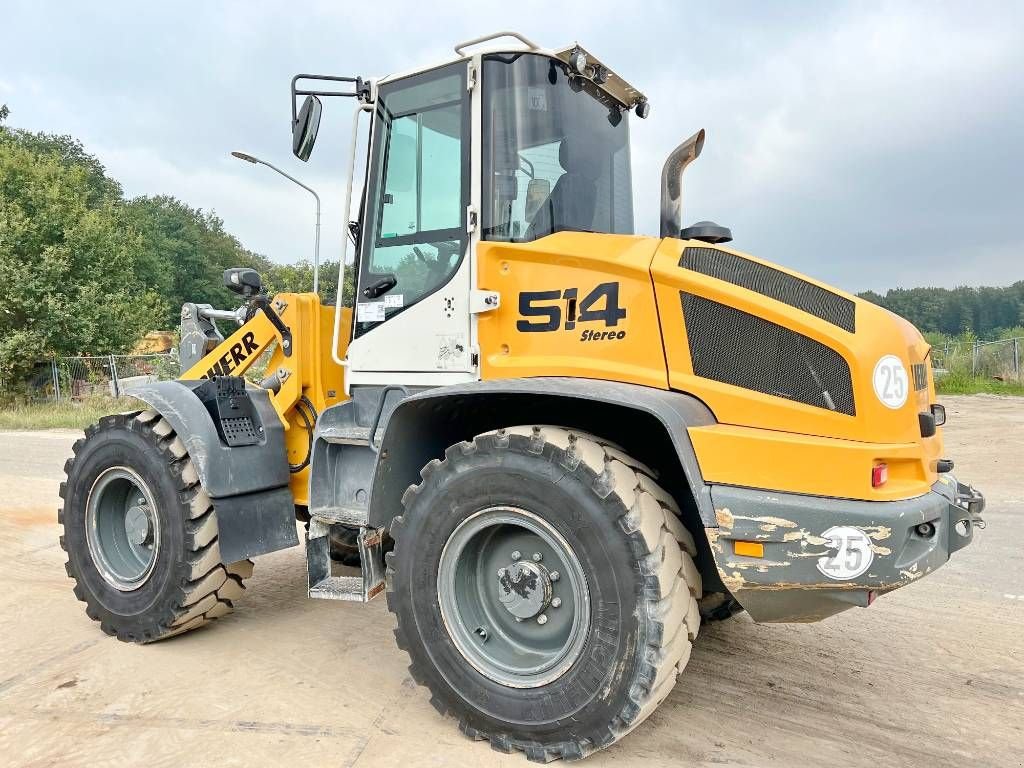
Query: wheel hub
x,y
524,589
122,530
513,597
138,524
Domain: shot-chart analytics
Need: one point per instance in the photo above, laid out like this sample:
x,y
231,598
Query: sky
x,y
867,144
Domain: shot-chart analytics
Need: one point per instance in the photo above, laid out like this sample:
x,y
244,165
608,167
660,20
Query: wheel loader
x,y
556,446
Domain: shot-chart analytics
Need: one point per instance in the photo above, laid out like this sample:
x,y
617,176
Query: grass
x,y
62,415
955,383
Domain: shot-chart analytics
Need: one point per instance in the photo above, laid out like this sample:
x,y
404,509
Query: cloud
x,y
870,145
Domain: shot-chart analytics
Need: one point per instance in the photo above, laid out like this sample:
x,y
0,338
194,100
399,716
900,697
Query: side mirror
x,y
537,191
304,129
243,280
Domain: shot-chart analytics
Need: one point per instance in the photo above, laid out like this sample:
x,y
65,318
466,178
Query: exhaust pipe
x,y
672,183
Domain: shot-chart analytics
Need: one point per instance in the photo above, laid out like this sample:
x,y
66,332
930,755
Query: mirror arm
x,y
361,90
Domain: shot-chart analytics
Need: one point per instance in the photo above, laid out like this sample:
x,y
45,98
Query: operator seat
x,y
570,205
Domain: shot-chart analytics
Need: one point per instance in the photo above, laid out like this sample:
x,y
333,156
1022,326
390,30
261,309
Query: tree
x,y
68,256
185,253
985,311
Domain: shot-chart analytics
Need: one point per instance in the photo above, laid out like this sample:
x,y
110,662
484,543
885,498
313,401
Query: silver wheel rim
x,y
513,597
122,528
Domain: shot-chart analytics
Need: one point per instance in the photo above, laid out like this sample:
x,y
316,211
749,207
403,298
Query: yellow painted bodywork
x,y
311,370
760,440
563,261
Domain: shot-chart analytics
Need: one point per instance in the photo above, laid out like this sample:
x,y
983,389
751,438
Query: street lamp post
x,y
316,248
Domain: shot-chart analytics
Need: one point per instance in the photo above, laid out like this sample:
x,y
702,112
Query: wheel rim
x,y
122,528
513,597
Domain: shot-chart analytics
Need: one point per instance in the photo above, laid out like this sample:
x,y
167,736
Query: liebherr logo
x,y
235,356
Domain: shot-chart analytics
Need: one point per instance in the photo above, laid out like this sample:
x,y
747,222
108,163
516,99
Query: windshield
x,y
555,152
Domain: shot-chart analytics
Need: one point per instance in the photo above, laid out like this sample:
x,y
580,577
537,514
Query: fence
x,y
990,359
77,378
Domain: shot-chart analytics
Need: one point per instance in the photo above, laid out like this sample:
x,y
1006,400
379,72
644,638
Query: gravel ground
x,y
932,675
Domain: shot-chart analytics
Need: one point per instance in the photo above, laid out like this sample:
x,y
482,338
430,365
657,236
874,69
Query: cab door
x,y
411,319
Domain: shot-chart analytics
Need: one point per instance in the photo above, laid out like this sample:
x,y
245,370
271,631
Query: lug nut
x,y
556,602
554,575
502,572
542,619
537,557
516,555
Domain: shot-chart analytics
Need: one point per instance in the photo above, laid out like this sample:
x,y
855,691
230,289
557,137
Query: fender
x,y
247,484
423,425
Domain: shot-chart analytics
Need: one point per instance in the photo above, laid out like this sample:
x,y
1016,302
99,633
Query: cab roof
x,y
614,85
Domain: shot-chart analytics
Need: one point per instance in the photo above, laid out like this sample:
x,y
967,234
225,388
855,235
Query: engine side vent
x,y
920,376
772,283
735,347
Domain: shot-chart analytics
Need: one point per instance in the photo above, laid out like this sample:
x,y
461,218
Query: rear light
x,y
939,414
879,474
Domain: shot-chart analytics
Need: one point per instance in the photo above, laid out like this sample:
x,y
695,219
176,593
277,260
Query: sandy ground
x,y
932,675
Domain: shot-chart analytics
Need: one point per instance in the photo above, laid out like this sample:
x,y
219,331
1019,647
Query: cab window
x,y
417,195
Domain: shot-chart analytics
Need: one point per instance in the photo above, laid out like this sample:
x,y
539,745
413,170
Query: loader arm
x,y
308,373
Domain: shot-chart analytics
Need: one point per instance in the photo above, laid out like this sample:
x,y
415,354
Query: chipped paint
x,y
826,553
759,565
803,535
734,581
775,522
724,517
877,532
880,550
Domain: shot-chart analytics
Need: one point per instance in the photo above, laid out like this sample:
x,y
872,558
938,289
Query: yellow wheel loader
x,y
557,446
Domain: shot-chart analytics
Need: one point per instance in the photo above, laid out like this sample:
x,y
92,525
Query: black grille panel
x,y
735,347
772,283
920,376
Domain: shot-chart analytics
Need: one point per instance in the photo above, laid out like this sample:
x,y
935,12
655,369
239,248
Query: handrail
x,y
360,108
494,36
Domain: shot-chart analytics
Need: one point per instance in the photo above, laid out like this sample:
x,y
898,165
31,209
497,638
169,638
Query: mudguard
x,y
248,484
422,425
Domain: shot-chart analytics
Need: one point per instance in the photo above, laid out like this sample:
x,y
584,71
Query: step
x,y
347,435
353,516
342,588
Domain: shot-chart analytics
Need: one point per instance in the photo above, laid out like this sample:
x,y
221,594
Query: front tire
x,y
563,500
141,534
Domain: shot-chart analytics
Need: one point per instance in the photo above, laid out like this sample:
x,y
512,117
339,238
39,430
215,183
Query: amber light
x,y
879,474
749,548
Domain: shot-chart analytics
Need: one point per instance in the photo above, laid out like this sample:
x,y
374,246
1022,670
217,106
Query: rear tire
x,y
141,533
640,582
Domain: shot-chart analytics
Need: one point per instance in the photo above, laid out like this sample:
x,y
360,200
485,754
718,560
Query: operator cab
x,y
498,145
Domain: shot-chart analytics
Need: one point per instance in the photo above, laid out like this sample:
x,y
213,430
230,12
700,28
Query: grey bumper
x,y
822,556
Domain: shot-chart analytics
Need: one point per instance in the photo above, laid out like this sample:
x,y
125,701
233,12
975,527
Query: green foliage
x,y
83,271
185,252
987,312
68,256
298,278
